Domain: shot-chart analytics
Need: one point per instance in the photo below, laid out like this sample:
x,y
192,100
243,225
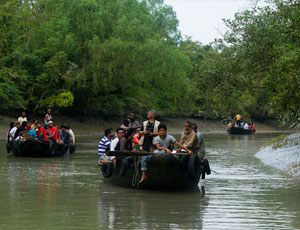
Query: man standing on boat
x,y
189,138
104,146
149,130
200,137
133,123
22,117
238,119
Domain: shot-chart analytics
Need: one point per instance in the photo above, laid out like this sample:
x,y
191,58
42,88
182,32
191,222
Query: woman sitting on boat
x,y
163,144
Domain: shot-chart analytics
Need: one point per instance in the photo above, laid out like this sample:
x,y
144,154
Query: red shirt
x,y
51,131
39,132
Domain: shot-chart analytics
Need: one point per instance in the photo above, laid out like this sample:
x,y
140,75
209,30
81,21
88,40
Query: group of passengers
x,y
21,130
240,124
151,136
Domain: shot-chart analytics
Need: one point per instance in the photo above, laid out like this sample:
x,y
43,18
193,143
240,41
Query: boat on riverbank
x,y
240,131
35,148
165,171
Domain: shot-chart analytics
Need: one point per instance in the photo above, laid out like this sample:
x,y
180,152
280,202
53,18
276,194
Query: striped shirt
x,y
103,145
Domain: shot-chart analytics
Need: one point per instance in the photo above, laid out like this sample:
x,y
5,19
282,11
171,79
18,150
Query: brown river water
x,y
70,193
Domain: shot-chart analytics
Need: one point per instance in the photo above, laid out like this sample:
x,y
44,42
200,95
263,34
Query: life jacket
x,y
136,138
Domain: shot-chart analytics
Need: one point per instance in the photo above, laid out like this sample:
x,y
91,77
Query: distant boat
x,y
35,148
240,131
165,171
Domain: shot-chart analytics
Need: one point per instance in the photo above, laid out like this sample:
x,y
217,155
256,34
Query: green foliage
x,y
64,99
10,96
115,56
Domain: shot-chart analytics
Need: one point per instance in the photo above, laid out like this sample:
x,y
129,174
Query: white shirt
x,y
113,144
72,134
12,132
21,119
246,126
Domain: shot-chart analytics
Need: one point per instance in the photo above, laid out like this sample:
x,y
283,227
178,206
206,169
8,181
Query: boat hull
x,y
240,131
35,148
165,172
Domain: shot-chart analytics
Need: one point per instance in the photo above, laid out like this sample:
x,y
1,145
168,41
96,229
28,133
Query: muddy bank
x,y
283,154
94,126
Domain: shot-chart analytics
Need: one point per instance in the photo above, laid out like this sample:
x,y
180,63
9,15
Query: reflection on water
x,y
150,210
69,193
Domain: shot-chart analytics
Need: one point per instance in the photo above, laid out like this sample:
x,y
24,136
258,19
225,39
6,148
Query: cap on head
x,y
49,122
17,122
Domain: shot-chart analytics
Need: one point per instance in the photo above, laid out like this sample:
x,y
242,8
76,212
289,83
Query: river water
x,y
69,193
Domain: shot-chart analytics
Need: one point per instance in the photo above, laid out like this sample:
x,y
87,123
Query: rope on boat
x,y
136,173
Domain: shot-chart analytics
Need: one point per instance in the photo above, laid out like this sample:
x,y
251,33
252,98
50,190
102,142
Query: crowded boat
x,y
238,126
127,157
49,135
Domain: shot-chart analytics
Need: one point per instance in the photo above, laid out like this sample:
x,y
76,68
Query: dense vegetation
x,y
114,56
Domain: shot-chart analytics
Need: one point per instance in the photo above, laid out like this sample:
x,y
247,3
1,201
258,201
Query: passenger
x,y
48,117
71,133
252,126
129,139
104,146
64,137
242,124
229,125
133,123
238,118
33,126
41,132
119,142
163,144
144,164
20,131
201,152
12,132
125,126
8,136
149,130
22,117
189,138
52,132
31,132
246,126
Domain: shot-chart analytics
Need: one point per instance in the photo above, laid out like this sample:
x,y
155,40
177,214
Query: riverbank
x,y
89,125
283,153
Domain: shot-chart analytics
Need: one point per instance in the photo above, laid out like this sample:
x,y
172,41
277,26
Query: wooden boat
x,y
240,131
35,148
165,171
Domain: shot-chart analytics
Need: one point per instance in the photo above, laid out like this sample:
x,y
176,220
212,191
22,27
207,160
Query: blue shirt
x,y
32,133
103,145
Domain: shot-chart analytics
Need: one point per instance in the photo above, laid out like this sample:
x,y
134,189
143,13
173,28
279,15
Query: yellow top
x,y
238,117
